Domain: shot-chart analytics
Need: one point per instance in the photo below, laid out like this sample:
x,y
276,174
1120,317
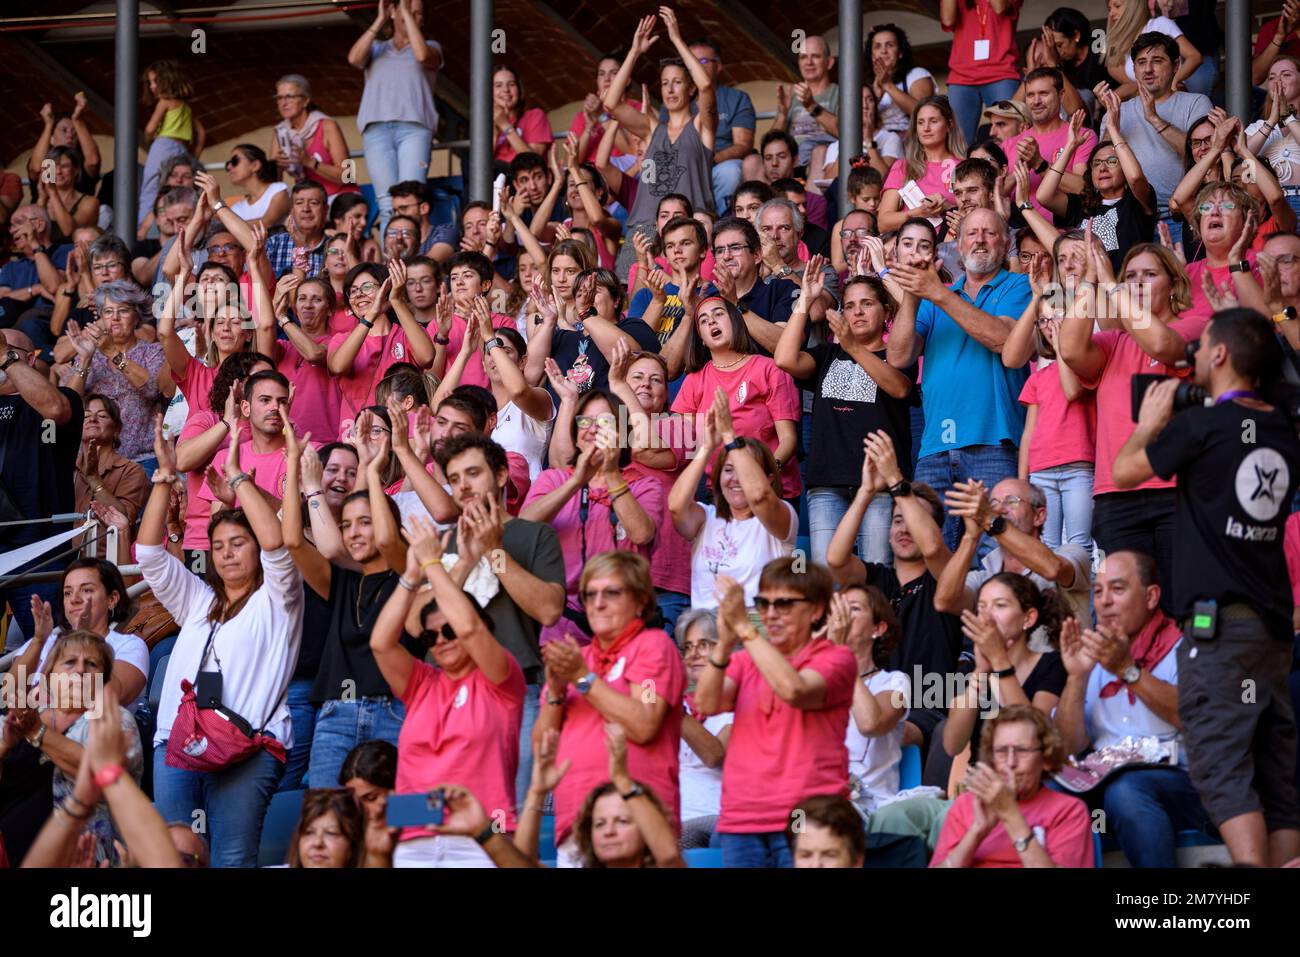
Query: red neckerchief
x,y
603,658
1151,645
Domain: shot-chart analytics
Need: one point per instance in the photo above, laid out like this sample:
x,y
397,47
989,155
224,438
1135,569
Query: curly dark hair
x,y
905,62
235,368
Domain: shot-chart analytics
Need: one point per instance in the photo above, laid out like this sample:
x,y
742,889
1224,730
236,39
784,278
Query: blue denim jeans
x,y
755,850
1069,504
827,506
1205,77
968,102
726,177
671,605
303,714
525,773
19,598
942,470
342,725
227,807
396,151
1145,810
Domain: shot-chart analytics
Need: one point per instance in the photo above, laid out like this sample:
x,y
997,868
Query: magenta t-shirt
x,y
599,535
268,469
463,732
670,560
195,384
197,511
937,179
316,397
474,373
998,31
779,754
650,662
357,385
1060,822
1048,144
1065,431
1124,358
532,127
760,395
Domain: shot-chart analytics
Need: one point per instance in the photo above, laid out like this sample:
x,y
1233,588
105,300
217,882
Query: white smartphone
x,y
496,192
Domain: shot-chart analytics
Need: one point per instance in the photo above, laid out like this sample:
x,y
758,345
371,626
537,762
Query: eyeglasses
x,y
365,289
335,251
1223,206
421,283
377,430
782,606
1286,259
706,60
1026,258
861,233
225,249
234,161
587,421
1201,143
735,249
1007,750
112,264
289,96
700,647
401,232
1011,501
591,595
1111,161
432,636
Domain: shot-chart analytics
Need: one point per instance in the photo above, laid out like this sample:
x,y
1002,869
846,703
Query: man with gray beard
x,y
973,418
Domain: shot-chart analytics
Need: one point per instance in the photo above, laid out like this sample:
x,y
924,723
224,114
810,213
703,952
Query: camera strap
x,y
1237,394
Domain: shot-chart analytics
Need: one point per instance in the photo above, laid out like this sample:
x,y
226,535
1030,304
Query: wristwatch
x,y
584,683
1131,675
817,110
442,340
737,443
636,791
1026,205
1041,167
997,526
119,361
36,739
219,205
783,272
11,356
1021,844
494,343
1243,266
367,323
901,489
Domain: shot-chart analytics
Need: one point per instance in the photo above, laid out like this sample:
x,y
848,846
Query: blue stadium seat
x,y
448,197
546,852
277,828
1096,849
1194,838
703,857
909,773
368,192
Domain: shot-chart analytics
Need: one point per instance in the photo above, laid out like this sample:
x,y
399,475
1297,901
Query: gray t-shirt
x,y
804,127
684,166
536,548
1162,166
398,88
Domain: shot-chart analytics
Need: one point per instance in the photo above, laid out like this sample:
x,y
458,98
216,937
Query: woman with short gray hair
x,y
704,743
306,143
112,360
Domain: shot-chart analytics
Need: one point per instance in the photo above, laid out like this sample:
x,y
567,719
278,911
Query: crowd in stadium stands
x,y
663,511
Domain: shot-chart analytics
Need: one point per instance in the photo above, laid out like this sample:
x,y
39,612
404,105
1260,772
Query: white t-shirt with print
x,y
876,761
738,549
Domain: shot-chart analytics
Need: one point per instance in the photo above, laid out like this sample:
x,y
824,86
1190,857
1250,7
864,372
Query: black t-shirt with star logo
x,y
1237,470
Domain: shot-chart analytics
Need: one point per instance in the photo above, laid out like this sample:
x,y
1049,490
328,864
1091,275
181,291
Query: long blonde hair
x,y
1121,34
955,144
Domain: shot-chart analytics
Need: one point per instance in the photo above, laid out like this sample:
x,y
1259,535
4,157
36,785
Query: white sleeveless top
x,y
519,432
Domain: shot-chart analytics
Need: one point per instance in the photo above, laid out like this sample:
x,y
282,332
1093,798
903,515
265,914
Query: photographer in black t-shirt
x,y
1237,464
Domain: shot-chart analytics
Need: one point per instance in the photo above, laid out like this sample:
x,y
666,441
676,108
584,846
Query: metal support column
x,y
1236,58
126,187
850,117
481,136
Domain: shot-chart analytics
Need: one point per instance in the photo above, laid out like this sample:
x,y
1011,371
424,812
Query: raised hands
x,y
396,283
644,37
562,387
1076,657
885,458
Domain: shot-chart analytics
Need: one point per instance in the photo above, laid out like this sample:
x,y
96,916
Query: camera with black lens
x,y
1188,395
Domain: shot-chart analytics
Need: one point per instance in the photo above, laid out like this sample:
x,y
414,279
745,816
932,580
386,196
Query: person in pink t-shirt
x,y
1006,818
265,406
469,276
1039,146
518,130
360,357
764,402
1153,305
204,435
301,357
462,712
790,693
597,504
935,146
1225,217
608,681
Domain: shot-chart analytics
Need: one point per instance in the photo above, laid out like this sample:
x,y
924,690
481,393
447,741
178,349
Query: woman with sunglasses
x,y
606,681
762,399
265,199
747,525
355,702
350,215
360,357
597,503
704,741
464,710
1005,817
1117,201
790,691
1009,610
